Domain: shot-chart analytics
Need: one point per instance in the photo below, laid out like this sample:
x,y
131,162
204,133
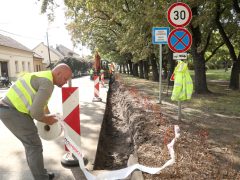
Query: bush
x,y
78,67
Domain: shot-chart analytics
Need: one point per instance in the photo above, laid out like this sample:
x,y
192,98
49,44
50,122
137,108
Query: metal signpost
x,y
179,40
160,36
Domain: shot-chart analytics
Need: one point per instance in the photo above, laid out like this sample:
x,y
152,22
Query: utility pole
x,y
50,63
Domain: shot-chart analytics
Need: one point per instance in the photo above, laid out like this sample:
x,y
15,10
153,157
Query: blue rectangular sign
x,y
160,35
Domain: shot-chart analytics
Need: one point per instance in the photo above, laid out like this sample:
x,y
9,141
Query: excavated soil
x,y
134,124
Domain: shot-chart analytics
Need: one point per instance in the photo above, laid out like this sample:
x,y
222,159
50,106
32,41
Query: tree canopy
x,y
124,27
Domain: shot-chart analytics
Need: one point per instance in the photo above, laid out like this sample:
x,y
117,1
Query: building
x,y
67,52
37,62
14,58
49,54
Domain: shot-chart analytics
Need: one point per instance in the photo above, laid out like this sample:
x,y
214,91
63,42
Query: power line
x,y
28,37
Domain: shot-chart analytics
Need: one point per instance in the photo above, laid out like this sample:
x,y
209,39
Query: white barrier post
x,y
71,119
96,97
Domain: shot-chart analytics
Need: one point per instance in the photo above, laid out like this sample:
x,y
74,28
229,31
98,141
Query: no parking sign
x,y
179,40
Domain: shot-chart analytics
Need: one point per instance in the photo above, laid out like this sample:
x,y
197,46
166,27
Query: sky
x,y
22,20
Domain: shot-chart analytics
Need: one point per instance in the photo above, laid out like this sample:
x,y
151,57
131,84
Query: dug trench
x,y
133,124
124,128
115,141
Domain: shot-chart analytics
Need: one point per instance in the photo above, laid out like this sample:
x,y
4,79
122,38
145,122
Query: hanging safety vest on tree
x,y
183,86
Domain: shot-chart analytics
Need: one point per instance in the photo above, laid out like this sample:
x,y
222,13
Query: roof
x,y
50,48
65,51
9,42
55,51
37,55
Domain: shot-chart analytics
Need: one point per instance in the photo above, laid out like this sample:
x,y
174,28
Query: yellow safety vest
x,y
183,85
21,94
91,72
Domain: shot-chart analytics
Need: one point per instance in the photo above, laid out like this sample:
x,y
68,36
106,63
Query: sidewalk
x,y
12,157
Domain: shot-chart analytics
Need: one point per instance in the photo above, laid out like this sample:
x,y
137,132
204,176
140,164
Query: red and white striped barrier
x,y
96,97
71,119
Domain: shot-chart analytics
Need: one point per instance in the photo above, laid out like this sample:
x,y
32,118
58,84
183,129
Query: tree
x,y
227,16
124,27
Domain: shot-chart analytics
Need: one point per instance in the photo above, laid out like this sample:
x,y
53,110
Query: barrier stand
x,y
96,97
71,116
102,80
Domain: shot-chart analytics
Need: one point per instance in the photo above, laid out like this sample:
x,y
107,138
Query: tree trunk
x,y
124,70
200,73
127,68
134,70
145,69
120,70
200,83
141,69
234,79
130,66
155,73
135,66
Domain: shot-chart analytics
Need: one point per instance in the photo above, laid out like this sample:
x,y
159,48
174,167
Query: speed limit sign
x,y
179,14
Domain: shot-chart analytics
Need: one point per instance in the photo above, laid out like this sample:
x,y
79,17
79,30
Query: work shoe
x,y
51,175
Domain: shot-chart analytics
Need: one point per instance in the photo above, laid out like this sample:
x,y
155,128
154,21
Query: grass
x,y
221,101
219,75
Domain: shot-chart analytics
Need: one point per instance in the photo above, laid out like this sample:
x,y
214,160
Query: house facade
x,y
14,58
37,63
49,55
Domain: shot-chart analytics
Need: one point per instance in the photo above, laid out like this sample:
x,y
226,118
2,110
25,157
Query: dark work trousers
x,y
23,127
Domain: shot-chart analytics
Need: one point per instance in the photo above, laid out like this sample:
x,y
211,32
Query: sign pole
x,y
179,40
160,36
160,73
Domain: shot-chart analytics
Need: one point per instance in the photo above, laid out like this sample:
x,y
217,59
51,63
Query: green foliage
x,y
218,60
48,7
117,28
76,65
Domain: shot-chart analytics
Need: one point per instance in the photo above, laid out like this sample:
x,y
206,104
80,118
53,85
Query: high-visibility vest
x,y
183,85
91,72
21,94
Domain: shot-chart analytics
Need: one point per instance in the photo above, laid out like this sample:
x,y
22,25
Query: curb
x,y
136,175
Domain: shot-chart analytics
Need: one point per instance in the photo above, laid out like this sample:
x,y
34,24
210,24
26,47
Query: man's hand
x,y
50,119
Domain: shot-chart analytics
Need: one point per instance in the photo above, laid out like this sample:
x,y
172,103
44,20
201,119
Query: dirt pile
x,y
133,123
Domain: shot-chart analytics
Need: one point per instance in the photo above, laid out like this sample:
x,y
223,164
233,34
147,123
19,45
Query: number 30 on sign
x,y
179,14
